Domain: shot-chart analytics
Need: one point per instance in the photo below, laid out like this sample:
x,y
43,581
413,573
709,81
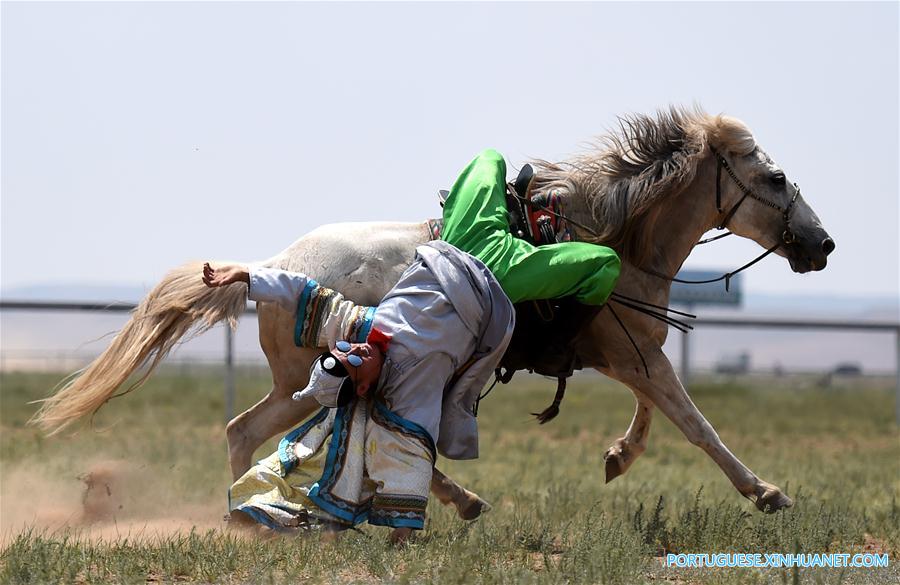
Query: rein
x,y
787,236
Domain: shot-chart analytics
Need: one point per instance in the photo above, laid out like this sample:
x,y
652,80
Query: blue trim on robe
x,y
415,523
408,425
301,311
287,458
263,518
319,492
367,325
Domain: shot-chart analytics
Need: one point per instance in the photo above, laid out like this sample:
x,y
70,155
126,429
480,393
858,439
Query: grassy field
x,y
141,496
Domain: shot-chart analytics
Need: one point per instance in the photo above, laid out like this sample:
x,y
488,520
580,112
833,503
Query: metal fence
x,y
756,323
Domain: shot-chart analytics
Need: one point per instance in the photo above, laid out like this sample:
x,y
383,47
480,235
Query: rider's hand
x,y
213,277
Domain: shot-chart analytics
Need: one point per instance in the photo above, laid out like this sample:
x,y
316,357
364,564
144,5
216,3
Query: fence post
x,y
686,353
229,373
685,359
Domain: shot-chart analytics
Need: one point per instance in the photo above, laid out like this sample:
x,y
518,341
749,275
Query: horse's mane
x,y
645,160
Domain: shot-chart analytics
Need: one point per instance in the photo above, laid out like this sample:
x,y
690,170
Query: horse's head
x,y
628,191
756,200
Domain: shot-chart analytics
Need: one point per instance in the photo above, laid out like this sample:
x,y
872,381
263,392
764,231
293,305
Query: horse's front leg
x,y
625,450
667,393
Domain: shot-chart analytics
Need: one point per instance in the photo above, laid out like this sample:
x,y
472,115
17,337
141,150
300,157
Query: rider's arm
x,y
264,284
277,286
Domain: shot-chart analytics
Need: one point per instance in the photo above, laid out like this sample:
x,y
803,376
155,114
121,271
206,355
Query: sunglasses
x,y
353,359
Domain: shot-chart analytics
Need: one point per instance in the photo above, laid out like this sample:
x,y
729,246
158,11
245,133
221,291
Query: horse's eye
x,y
778,179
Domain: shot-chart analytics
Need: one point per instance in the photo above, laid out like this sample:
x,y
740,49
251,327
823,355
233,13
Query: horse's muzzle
x,y
805,256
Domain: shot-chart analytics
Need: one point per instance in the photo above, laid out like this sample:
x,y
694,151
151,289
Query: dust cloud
x,y
110,499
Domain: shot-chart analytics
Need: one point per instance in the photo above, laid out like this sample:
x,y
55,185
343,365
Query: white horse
x,y
651,192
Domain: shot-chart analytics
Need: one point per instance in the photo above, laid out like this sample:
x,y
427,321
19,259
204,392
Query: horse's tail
x,y
178,303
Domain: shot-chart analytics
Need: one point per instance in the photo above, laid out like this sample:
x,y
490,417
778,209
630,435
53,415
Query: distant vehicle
x,y
847,369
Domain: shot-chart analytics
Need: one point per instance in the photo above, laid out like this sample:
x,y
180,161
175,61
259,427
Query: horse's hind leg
x,y
275,413
468,505
625,450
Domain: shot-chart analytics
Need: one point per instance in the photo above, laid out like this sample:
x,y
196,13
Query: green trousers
x,y
475,222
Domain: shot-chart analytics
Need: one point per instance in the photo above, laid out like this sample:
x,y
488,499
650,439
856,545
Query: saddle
x,y
545,332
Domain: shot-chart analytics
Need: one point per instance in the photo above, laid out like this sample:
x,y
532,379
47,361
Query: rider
x,y
437,337
404,394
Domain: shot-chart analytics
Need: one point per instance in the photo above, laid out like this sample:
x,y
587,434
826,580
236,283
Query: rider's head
x,y
347,371
363,361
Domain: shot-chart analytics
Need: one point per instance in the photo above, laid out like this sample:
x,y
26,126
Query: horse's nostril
x,y
828,246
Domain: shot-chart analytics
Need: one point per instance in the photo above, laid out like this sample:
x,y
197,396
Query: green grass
x,y
835,451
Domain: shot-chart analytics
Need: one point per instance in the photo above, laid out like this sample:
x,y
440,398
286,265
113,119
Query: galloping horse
x,y
653,189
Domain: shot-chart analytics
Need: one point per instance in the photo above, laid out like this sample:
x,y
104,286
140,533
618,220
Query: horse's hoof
x,y
400,536
614,467
772,500
473,509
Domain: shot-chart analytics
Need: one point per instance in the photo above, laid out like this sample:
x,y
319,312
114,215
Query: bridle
x,y
787,236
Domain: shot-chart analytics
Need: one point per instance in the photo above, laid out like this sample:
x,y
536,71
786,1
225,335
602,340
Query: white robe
x,y
341,467
449,323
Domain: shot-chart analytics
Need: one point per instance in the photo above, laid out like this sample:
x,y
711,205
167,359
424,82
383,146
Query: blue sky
x,y
136,137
